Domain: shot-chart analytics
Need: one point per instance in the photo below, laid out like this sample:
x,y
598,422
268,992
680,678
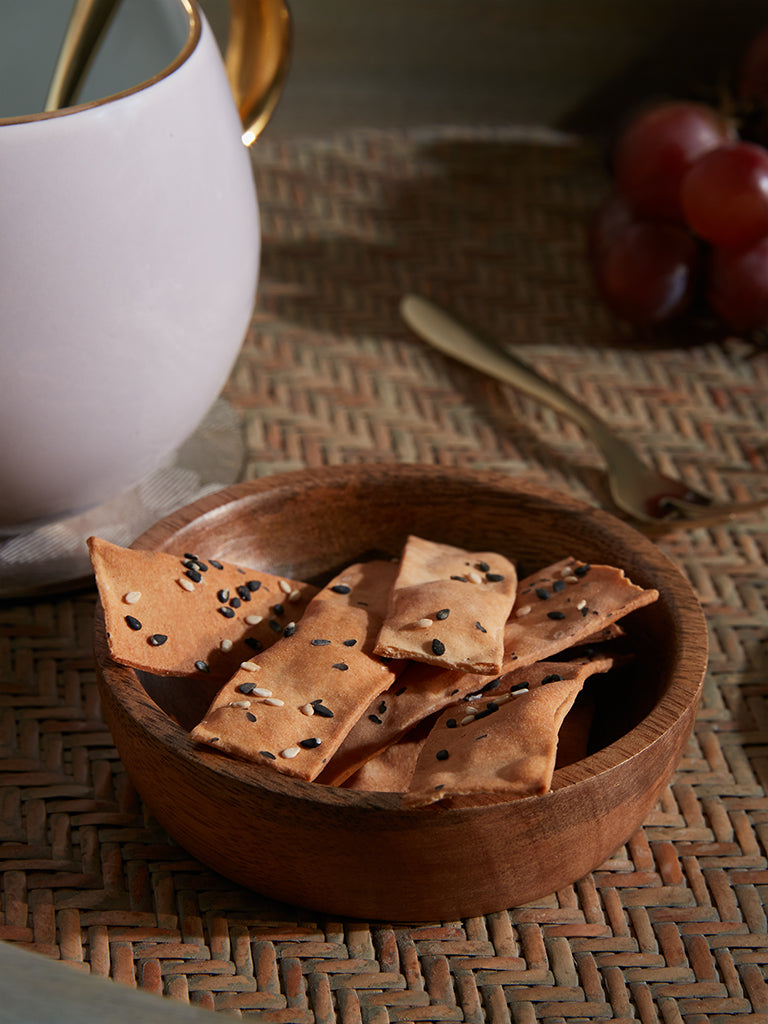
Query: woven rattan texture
x,y
673,927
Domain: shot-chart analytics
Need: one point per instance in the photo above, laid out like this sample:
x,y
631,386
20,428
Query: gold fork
x,y
647,496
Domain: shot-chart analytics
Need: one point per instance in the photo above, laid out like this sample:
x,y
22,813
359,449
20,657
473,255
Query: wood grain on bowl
x,y
363,854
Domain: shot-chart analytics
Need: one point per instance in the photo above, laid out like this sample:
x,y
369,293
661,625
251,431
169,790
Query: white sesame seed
x,y
422,623
289,752
260,691
307,709
226,644
571,579
474,577
132,597
240,704
253,620
467,720
285,586
250,666
581,604
275,702
185,584
294,596
522,610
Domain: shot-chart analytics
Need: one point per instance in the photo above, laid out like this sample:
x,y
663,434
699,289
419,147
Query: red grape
x,y
725,195
656,149
737,285
610,221
753,72
646,274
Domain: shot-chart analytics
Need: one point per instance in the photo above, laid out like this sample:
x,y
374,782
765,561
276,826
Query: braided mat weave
x,y
673,927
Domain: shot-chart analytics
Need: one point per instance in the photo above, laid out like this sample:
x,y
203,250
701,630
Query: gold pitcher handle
x,y
256,56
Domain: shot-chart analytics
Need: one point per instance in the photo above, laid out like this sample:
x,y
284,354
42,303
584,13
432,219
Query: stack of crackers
x,y
438,675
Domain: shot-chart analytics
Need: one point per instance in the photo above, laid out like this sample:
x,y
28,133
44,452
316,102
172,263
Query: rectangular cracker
x,y
188,616
505,751
292,707
448,607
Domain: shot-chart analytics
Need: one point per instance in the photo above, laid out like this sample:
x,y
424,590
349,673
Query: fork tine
x,y
714,512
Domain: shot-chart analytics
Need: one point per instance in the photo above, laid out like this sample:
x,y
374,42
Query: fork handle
x,y
446,334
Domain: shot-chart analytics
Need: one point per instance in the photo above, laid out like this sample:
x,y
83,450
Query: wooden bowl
x,y
362,854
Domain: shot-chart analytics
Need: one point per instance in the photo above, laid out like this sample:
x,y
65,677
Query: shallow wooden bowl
x,y
361,854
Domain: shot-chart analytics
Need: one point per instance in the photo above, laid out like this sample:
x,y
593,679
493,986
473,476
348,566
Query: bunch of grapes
x,y
687,221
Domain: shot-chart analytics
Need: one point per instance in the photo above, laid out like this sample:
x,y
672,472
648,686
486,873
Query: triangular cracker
x,y
185,615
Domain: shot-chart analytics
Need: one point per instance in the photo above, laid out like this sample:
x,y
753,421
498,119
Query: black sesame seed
x,y
555,615
235,602
459,579
267,754
341,666
483,566
275,626
482,736
438,647
554,678
246,687
254,644
585,610
253,585
492,684
223,595
451,723
250,716
401,691
491,706
341,588
375,719
244,593
157,639
480,627
201,565
321,709
189,557
290,629
442,755
215,564
382,707
349,643
319,642
202,666
132,622
278,609
542,593
443,613
310,743
558,585
519,686
228,613
582,570
494,577
194,575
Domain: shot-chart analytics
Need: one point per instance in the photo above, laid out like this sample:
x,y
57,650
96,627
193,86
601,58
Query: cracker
x,y
565,605
391,770
185,616
507,749
292,708
448,607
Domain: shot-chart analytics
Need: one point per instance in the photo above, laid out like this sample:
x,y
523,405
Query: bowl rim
x,y
683,693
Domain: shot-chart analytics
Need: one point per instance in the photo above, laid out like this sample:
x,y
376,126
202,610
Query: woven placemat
x,y
673,927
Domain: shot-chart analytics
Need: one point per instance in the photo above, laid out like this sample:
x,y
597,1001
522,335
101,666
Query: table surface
x,y
491,223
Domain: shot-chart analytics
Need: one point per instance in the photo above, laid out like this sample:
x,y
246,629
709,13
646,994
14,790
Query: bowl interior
x,y
307,525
